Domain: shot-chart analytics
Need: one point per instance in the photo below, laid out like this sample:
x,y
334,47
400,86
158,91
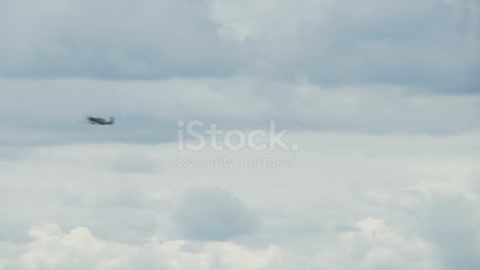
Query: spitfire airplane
x,y
100,121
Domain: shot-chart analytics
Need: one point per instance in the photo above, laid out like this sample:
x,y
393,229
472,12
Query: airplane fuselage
x,y
100,121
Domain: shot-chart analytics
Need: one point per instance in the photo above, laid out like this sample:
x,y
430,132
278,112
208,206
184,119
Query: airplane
x,y
100,121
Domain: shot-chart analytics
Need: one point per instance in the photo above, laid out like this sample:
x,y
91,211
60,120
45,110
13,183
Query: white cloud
x,y
311,213
270,20
51,248
371,244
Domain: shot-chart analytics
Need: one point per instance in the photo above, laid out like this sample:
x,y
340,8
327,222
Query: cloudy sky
x,y
381,97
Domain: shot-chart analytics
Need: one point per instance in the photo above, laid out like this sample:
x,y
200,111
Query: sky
x,y
380,98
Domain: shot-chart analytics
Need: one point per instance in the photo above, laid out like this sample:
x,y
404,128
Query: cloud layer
x,y
381,98
433,44
348,201
149,111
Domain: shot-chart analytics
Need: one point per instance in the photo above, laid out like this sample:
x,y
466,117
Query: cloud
x,y
433,44
382,98
110,40
89,188
214,214
135,162
372,244
348,200
29,117
51,248
452,224
338,42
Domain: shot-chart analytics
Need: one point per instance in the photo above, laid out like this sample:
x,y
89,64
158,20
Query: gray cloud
x,y
433,44
382,98
338,42
42,111
213,214
110,40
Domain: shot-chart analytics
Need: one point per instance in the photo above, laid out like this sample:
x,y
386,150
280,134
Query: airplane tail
x,y
112,120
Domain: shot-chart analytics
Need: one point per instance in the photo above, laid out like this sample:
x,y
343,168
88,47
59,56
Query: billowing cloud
x,y
314,214
372,244
54,249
